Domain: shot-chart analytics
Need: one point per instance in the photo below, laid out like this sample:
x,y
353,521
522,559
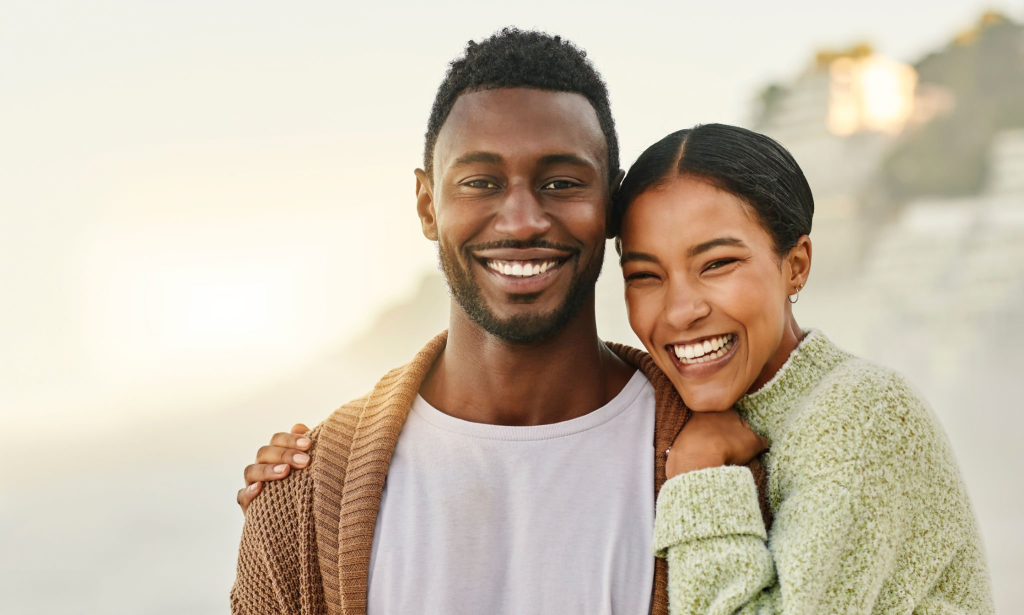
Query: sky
x,y
201,198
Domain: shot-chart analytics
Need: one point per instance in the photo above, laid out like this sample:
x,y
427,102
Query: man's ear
x,y
425,205
609,232
799,260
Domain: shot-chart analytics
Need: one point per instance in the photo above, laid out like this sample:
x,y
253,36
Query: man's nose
x,y
684,305
522,215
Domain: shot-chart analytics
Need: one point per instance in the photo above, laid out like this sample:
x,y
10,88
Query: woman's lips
x,y
712,362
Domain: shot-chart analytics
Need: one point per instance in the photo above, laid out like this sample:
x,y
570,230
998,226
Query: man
x,y
512,466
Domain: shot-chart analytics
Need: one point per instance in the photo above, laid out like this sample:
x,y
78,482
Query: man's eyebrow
x,y
714,243
476,157
572,159
643,257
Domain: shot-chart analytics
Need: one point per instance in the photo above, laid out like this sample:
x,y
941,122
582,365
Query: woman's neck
x,y
792,334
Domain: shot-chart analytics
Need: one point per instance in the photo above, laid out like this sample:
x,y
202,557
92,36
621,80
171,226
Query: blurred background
x,y
209,234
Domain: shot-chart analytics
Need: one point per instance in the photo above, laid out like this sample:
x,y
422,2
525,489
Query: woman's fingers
x,y
757,444
298,441
261,472
291,455
247,494
763,442
275,461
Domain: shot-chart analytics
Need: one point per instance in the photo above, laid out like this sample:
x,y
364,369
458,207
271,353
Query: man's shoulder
x,y
391,397
384,391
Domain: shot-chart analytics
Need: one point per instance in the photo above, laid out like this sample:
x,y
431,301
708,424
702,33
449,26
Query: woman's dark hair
x,y
744,163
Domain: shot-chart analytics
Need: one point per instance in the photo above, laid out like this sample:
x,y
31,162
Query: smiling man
x,y
512,466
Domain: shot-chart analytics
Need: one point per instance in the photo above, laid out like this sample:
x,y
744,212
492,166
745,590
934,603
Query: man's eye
x,y
559,184
482,184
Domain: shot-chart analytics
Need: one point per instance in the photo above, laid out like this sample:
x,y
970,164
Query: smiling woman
x,y
717,239
870,513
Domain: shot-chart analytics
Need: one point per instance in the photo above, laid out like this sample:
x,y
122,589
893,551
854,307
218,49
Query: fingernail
x,y
302,442
254,486
280,468
302,458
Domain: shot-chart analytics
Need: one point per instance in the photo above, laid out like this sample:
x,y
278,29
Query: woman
x,y
870,514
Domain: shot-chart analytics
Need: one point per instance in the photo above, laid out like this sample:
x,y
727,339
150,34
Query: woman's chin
x,y
716,402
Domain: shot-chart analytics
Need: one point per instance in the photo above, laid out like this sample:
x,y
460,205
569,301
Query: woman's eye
x,y
559,184
636,277
720,263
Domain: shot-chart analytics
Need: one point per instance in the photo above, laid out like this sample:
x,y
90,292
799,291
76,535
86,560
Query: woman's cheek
x,y
641,311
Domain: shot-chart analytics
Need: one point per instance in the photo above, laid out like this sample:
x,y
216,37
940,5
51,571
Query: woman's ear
x,y
425,205
799,261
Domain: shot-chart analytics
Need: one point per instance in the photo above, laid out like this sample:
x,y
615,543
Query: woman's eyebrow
x,y
629,257
714,243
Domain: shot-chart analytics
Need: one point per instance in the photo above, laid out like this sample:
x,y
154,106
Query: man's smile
x,y
523,276
523,270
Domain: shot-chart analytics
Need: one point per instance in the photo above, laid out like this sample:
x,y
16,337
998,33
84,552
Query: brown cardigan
x,y
305,547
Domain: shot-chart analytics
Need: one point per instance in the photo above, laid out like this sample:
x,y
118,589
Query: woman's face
x,y
705,290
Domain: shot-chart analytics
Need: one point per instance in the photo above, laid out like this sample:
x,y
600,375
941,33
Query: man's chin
x,y
523,327
518,317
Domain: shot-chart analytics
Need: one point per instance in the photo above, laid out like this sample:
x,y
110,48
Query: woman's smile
x,y
705,288
704,357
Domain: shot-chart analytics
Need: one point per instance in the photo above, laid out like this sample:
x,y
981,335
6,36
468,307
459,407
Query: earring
x,y
796,294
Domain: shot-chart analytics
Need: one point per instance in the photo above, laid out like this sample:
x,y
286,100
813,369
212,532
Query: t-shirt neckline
x,y
486,431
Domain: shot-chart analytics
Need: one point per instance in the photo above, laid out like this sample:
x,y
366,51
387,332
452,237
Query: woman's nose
x,y
684,305
522,215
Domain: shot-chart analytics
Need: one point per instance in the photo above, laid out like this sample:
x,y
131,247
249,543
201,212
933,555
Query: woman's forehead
x,y
686,209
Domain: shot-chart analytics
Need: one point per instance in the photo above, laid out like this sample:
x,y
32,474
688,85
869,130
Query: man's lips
x,y
522,254
523,276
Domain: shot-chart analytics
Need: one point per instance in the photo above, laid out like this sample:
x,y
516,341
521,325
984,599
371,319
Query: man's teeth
x,y
521,269
708,350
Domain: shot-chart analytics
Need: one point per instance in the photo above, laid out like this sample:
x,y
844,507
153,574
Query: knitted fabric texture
x,y
305,547
870,512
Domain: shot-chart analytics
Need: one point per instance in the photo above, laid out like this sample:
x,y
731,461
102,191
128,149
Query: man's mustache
x,y
521,245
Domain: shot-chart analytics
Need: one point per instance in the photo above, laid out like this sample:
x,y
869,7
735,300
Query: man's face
x,y
518,206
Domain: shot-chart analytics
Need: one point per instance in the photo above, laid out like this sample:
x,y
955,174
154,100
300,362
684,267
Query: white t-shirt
x,y
479,518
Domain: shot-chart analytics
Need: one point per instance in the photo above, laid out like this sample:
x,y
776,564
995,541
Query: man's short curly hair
x,y
514,58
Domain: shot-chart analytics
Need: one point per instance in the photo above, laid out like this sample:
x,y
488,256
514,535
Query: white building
x,y
838,118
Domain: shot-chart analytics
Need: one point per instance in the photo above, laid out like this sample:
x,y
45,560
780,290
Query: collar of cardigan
x,y
813,358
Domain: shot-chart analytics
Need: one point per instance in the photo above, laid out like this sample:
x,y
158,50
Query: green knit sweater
x,y
870,513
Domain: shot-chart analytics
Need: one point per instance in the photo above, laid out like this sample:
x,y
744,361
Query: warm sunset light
x,y
870,93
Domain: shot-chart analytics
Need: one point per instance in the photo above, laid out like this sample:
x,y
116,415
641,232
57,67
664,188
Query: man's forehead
x,y
521,123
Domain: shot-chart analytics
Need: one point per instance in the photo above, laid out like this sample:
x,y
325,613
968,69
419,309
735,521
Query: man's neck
x,y
484,379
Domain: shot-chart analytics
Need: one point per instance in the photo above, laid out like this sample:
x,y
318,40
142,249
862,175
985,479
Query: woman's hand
x,y
712,439
274,462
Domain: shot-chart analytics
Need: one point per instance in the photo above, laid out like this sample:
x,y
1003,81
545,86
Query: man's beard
x,y
526,327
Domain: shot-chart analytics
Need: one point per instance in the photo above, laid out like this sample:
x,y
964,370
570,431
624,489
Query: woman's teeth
x,y
708,350
521,269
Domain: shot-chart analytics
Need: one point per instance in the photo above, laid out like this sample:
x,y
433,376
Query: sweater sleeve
x,y
277,564
835,534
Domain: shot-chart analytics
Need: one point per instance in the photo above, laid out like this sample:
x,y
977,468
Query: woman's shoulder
x,y
875,402
863,383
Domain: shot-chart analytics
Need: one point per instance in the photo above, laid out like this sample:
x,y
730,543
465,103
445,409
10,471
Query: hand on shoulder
x,y
275,461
